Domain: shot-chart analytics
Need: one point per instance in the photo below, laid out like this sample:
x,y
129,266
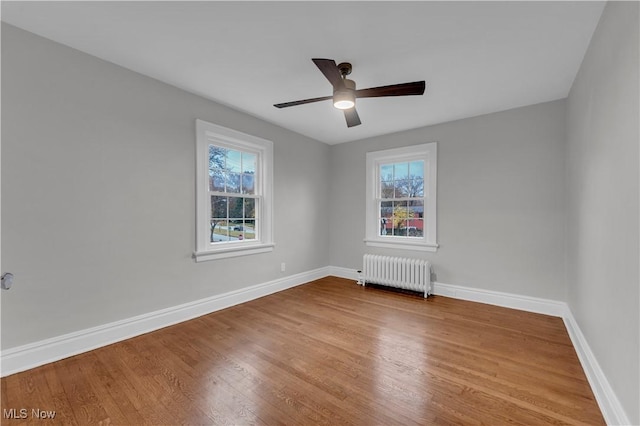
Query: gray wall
x,y
500,200
602,188
98,196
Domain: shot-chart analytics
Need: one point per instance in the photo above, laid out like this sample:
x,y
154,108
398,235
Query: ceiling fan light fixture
x,y
344,99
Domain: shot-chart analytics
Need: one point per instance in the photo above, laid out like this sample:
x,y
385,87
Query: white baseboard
x,y
32,355
506,300
337,271
609,404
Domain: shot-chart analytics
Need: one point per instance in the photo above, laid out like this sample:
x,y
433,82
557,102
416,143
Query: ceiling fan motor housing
x,y
348,85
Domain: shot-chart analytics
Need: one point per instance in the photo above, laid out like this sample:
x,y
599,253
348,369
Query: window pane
x,y
415,223
235,208
415,228
219,231
400,215
386,172
386,226
386,209
236,230
250,229
248,183
249,208
233,183
218,207
232,171
416,208
386,190
248,163
400,171
233,218
386,218
416,187
216,180
217,157
233,161
401,188
416,169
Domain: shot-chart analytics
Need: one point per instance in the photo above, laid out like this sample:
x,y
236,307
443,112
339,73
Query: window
x,y
234,193
401,198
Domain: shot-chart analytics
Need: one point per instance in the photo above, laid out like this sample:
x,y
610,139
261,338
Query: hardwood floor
x,y
328,352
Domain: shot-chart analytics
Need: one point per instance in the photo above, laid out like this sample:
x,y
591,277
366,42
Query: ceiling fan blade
x,y
352,117
302,102
403,89
330,70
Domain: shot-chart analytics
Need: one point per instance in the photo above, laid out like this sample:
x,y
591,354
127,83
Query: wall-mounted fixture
x,y
6,281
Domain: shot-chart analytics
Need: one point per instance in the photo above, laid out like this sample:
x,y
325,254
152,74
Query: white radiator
x,y
399,272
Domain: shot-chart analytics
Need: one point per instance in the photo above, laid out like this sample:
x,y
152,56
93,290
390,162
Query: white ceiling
x,y
476,57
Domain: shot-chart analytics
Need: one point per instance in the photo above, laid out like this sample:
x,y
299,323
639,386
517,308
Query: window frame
x,y
427,152
213,134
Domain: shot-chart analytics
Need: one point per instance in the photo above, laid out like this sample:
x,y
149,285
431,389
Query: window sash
x,y
410,222
237,192
255,219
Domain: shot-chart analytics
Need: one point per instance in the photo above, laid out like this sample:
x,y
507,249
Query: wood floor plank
x,y
328,352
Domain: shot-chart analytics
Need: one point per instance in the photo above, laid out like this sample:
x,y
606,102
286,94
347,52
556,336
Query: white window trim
x,y
206,134
428,152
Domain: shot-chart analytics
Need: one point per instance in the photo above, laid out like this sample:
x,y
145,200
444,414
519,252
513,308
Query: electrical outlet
x,y
283,267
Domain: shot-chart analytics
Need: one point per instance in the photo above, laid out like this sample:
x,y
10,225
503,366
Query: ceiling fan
x,y
345,93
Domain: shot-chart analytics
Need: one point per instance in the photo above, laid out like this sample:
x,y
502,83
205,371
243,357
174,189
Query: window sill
x,y
403,245
226,252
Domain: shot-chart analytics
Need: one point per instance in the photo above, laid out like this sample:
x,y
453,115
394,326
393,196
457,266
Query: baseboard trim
x,y
506,300
340,272
21,358
609,404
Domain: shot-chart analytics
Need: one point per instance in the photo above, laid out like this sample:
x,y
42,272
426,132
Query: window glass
x,y
403,183
232,173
